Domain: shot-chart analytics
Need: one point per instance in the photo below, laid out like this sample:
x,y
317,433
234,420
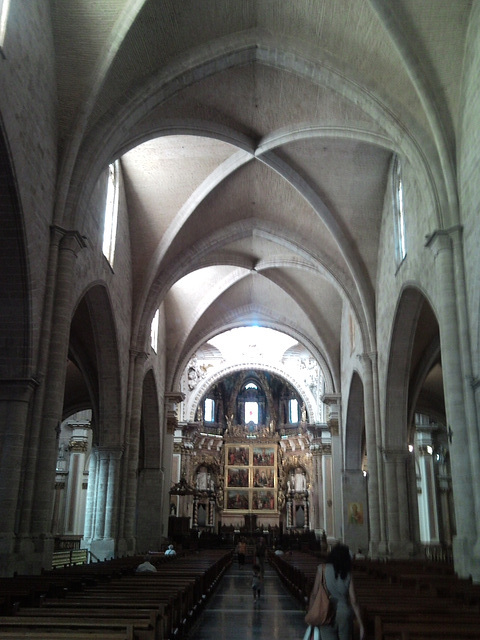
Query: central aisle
x,y
232,613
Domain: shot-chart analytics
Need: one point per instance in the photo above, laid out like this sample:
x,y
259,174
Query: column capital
x,y
369,357
333,402
441,239
18,389
321,449
68,239
395,455
171,400
139,355
78,446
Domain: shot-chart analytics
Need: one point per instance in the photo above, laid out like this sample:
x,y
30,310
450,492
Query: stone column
x,y
91,493
404,528
472,411
71,242
35,422
316,503
333,402
100,534
101,499
171,423
355,518
398,515
15,396
464,447
132,444
427,499
377,541
393,533
327,488
78,447
111,498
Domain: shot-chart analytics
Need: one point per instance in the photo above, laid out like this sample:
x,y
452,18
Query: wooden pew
x,y
157,606
428,629
131,630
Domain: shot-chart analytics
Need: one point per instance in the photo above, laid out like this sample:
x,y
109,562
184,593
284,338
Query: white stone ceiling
x,y
255,139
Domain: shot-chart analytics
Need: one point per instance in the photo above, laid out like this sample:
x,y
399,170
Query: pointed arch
x,y
93,376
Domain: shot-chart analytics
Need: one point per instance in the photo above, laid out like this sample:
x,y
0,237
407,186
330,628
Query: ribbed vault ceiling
x,y
255,140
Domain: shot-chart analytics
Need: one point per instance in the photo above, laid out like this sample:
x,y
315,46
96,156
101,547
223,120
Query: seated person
x,y
170,551
146,566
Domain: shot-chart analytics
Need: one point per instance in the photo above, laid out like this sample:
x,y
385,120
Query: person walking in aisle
x,y
338,577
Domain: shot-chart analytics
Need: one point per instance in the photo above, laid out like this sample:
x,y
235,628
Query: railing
x,y
69,557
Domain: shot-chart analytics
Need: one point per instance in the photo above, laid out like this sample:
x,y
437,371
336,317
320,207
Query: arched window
x,y
111,211
293,416
251,412
154,331
209,410
399,212
4,7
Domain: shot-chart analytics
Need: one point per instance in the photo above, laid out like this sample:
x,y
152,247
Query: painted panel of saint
x,y
263,457
237,477
263,478
263,501
238,456
237,500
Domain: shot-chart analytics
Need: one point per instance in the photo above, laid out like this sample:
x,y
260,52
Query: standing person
x,y
260,553
241,551
256,582
338,577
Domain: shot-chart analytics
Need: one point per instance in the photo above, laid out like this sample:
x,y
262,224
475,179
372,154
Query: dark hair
x,y
340,557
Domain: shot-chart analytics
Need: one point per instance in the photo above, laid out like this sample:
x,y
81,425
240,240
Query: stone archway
x,y
355,488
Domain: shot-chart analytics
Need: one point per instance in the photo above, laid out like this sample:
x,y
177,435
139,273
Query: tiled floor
x,y
232,613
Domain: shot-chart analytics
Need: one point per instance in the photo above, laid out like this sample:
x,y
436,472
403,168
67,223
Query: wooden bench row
x,y
157,606
404,601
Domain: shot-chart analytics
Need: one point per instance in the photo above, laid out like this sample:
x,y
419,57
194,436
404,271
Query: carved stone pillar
x,y
427,499
459,399
399,542
102,496
333,466
70,244
171,400
78,447
15,396
130,465
377,541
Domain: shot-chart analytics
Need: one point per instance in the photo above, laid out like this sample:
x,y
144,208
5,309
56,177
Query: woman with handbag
x,y
336,576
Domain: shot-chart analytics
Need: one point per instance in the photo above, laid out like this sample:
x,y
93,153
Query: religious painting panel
x,y
264,477
263,500
263,456
238,456
237,500
237,477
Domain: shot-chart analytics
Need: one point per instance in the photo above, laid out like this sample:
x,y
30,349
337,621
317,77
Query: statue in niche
x,y
304,413
202,479
300,480
199,416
